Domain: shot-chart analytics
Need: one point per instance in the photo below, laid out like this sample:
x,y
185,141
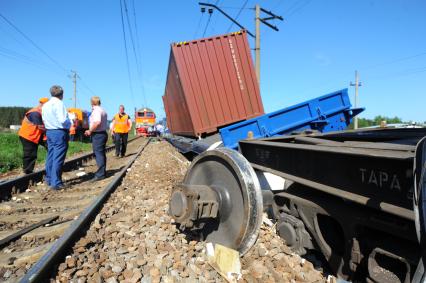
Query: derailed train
x,y
348,195
351,198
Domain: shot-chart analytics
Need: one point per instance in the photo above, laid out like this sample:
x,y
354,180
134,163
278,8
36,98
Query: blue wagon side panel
x,y
330,112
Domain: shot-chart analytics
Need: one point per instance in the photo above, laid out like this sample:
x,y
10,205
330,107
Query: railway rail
x,y
31,222
133,239
14,185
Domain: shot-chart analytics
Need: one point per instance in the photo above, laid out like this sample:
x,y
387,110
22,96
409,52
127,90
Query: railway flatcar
x,y
350,200
145,122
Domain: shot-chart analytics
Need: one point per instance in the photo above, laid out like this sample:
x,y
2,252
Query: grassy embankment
x,y
11,151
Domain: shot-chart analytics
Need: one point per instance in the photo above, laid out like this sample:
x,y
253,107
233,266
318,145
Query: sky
x,y
316,51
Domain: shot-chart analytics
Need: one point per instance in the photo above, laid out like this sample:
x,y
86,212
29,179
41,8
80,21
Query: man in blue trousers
x,y
98,125
57,124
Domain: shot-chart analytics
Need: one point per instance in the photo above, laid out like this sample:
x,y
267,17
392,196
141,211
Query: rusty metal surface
x,y
210,83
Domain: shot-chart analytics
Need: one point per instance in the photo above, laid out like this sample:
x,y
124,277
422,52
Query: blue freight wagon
x,y
330,112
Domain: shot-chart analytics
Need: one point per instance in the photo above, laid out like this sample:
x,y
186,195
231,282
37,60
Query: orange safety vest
x,y
121,125
72,129
30,131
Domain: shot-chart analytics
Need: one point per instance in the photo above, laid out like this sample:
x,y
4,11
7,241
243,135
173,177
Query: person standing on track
x,y
57,124
31,134
98,125
121,125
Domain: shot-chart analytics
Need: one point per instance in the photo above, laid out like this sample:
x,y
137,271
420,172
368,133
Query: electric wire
x,y
86,86
23,60
132,41
198,25
5,52
214,18
139,52
33,43
292,7
207,24
129,27
298,9
394,61
127,55
234,8
407,72
28,48
237,16
21,56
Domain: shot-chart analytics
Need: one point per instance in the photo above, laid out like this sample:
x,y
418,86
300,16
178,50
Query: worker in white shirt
x,y
57,124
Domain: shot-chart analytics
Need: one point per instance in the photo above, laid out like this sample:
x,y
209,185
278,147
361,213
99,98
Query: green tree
x,y
12,116
364,122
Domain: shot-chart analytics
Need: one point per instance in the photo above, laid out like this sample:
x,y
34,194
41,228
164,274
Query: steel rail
x,y
42,269
21,183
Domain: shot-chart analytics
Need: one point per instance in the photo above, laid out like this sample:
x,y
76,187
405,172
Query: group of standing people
x,y
48,124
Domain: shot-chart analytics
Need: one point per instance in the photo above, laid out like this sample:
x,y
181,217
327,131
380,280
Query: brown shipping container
x,y
211,83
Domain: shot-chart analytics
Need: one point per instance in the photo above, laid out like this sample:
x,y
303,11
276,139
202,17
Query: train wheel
x,y
220,200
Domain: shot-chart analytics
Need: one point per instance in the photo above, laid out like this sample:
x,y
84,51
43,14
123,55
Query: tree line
x,y
12,116
364,122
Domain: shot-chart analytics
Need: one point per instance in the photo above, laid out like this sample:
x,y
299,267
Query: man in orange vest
x,y
73,129
31,134
120,127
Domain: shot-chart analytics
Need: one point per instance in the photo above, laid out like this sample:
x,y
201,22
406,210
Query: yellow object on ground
x,y
225,261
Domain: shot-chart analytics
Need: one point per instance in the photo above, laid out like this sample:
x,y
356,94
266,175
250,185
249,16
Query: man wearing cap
x,y
57,124
32,134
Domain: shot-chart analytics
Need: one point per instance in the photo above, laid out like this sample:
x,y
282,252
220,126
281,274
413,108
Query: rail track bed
x,y
39,203
133,239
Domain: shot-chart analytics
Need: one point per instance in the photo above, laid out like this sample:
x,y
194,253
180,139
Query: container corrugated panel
x,y
211,83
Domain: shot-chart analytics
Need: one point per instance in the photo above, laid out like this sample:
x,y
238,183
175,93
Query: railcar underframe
x,y
348,195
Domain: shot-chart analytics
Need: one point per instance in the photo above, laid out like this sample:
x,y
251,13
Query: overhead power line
x,y
238,15
296,7
131,41
29,60
125,49
198,25
258,20
135,42
234,8
395,61
86,86
23,58
210,11
33,43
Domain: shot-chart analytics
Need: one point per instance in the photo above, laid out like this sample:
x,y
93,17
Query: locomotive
x,y
145,122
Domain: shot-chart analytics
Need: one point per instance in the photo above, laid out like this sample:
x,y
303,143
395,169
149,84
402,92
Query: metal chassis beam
x,y
380,179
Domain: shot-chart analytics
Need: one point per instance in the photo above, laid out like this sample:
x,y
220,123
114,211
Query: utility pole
x,y
74,79
258,20
257,43
356,85
134,124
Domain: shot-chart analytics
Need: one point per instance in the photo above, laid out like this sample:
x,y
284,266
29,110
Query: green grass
x,y
11,151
